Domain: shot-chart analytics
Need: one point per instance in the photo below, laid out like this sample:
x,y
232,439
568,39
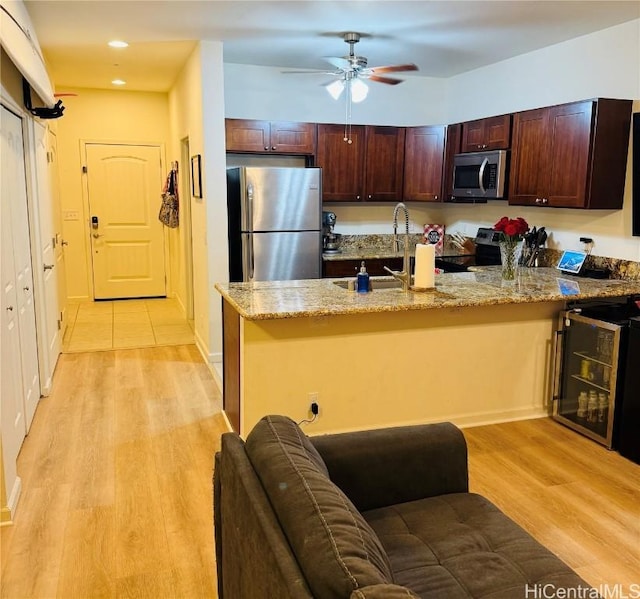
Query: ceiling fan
x,y
350,70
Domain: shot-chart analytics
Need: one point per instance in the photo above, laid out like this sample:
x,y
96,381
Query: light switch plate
x,y
71,215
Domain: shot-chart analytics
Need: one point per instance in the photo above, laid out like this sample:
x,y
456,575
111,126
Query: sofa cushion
x,y
335,547
383,591
461,545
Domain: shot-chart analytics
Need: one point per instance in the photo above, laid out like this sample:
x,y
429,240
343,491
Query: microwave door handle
x,y
481,175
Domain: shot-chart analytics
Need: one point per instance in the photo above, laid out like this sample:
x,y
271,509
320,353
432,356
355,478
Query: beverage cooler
x,y
590,357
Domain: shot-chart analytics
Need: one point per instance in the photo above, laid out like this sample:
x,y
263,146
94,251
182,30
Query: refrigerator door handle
x,y
249,211
557,366
248,259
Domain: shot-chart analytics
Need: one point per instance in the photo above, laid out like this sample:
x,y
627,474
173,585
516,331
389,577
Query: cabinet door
x,y
568,159
423,152
472,136
293,138
342,163
529,157
451,148
493,133
247,135
384,159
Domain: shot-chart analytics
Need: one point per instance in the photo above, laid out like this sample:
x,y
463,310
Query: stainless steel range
x,y
487,253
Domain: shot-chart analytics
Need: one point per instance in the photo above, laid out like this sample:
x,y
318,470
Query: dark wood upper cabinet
x,y
452,144
367,169
493,133
383,166
423,160
273,137
342,163
571,156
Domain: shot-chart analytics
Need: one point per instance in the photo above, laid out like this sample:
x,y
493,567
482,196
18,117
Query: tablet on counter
x,y
571,261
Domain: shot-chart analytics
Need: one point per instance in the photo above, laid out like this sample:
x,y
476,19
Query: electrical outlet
x,y
314,406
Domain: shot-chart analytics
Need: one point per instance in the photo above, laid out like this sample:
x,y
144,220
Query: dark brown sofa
x,y
375,514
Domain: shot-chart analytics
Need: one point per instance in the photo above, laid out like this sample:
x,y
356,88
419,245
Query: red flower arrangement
x,y
512,229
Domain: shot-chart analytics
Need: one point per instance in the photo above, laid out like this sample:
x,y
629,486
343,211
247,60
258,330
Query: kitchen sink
x,y
375,285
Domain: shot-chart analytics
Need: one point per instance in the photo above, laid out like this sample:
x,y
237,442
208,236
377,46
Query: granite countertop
x,y
269,300
373,247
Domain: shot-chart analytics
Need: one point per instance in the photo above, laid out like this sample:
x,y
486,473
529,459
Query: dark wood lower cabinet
x,y
349,268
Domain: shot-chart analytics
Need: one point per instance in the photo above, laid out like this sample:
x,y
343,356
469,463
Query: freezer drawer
x,y
281,256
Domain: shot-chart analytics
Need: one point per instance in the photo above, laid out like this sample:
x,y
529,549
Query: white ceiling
x,y
443,38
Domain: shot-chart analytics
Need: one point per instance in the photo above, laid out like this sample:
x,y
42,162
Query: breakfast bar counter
x,y
475,350
268,300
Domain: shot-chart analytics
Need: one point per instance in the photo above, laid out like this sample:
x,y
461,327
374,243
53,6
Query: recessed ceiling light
x,y
118,44
119,82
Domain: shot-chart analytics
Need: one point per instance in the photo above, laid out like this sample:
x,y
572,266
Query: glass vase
x,y
510,252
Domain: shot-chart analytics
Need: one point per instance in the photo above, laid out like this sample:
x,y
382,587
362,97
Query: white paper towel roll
x,y
425,266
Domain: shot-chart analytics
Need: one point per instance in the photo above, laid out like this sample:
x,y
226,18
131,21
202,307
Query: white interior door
x,y
49,324
60,244
26,314
11,398
127,240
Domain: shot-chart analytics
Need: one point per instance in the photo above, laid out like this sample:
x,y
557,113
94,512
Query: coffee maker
x,y
330,240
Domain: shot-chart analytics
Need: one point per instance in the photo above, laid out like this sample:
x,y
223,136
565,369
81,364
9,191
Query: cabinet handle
x,y
26,288
370,196
538,200
435,197
357,197
48,266
545,200
63,242
273,147
266,147
10,308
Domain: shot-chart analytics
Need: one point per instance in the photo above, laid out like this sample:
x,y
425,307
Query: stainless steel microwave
x,y
480,174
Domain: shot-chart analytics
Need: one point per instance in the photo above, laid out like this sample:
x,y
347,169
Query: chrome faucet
x,y
405,275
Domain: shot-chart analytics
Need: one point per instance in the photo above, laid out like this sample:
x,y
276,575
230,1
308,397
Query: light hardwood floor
x,y
576,497
117,485
116,475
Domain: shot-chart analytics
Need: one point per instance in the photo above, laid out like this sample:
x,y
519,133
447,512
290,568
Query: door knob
x,y
48,266
10,308
26,288
63,242
96,235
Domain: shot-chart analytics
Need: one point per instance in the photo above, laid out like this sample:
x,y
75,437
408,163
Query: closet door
x,y
48,247
16,197
12,417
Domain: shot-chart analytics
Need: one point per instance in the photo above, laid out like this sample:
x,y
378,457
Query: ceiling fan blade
x,y
341,63
394,68
387,80
311,72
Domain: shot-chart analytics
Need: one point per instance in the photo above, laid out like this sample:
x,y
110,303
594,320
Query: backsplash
x,y
619,269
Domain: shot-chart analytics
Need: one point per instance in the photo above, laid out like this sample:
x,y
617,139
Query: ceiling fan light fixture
x,y
359,90
336,88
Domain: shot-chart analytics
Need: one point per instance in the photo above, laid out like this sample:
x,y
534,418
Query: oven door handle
x,y
483,166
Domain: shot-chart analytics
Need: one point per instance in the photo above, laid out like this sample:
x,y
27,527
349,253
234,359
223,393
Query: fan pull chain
x,y
347,123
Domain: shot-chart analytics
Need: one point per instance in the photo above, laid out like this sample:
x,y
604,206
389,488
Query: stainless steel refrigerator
x,y
275,231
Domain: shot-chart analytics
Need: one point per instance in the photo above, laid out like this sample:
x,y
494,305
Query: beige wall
x,y
197,111
470,366
100,116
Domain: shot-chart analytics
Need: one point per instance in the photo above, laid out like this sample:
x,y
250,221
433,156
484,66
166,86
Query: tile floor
x,y
95,326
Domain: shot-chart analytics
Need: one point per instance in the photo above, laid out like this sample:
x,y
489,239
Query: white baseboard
x,y
9,512
212,360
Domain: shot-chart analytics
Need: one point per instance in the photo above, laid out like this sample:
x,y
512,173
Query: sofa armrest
x,y
378,468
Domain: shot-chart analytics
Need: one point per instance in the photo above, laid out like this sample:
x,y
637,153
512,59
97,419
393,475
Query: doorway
x,y
126,238
185,225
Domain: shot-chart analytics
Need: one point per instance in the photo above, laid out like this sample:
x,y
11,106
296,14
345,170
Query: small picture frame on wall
x,y
196,177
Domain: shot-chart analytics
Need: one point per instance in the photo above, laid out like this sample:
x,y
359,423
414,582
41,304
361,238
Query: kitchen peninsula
x,y
474,350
